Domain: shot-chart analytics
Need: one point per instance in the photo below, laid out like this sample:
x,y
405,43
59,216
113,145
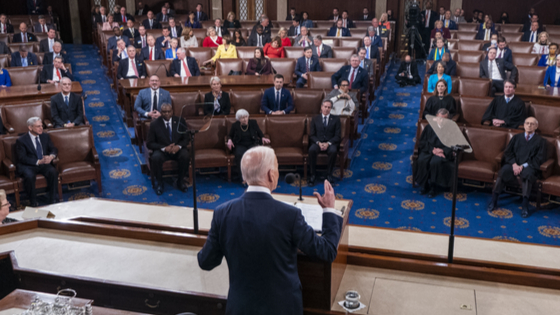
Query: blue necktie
x,y
277,100
325,121
507,100
24,62
66,100
169,131
367,53
39,148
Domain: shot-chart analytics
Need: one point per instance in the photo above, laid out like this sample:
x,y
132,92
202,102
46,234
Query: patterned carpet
x,y
378,180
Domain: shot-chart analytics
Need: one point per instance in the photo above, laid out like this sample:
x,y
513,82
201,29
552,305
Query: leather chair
x,y
30,47
201,54
245,65
224,66
554,38
484,162
553,29
532,76
467,27
472,45
525,59
41,57
548,118
510,28
455,85
285,67
343,52
453,34
353,42
15,117
157,67
512,37
323,31
453,44
5,61
77,157
289,140
5,38
332,64
461,35
472,109
520,47
248,23
248,100
199,33
454,55
293,52
320,80
472,56
343,148
8,180
210,146
474,87
468,70
331,41
429,64
550,182
308,101
26,75
246,52
183,102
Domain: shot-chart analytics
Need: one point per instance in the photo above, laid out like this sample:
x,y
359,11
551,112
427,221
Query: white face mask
x,y
494,42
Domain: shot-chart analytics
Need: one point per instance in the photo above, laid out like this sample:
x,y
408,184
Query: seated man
x,y
5,27
36,152
503,51
112,41
522,161
507,111
130,32
277,100
375,39
152,51
164,41
434,167
132,67
357,76
324,136
307,63
150,23
123,17
495,69
23,58
47,45
120,53
321,50
408,73
174,29
372,51
184,66
366,64
343,101
57,52
532,34
24,36
380,30
168,144
55,72
258,38
66,107
449,64
149,101
346,22
141,40
493,42
163,16
338,30
42,26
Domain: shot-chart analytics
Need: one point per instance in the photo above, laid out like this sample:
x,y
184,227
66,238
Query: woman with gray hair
x,y
4,208
219,99
244,134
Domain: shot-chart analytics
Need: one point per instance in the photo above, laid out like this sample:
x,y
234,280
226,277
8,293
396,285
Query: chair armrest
x,y
499,158
9,128
305,144
228,152
94,155
48,123
547,167
343,146
520,127
200,111
556,131
9,168
456,117
486,123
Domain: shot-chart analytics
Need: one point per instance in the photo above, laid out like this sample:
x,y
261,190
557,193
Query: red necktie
x,y
352,77
527,137
150,58
134,67
43,27
187,72
123,19
58,74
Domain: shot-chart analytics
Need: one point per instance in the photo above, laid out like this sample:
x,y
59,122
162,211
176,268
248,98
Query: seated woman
x,y
504,19
244,134
219,99
238,39
440,75
212,39
549,59
437,52
192,22
225,51
259,64
230,22
305,21
5,78
441,99
171,53
286,41
486,33
550,78
384,20
274,49
439,28
108,26
541,46
5,208
188,39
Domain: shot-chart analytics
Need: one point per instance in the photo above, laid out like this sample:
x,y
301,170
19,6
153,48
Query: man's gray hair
x,y
31,121
256,163
354,56
215,78
443,112
57,44
370,28
181,50
264,17
241,113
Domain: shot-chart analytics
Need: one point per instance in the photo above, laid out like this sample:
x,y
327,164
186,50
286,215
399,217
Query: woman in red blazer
x,y
286,41
274,49
212,39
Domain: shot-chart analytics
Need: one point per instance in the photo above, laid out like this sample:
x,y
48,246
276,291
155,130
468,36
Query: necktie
x,y
532,36
169,130
133,65
501,54
66,100
307,67
507,100
527,137
143,41
123,19
132,32
362,64
447,23
39,148
338,32
165,18
187,72
154,101
491,68
151,25
456,20
174,33
367,53
352,77
304,42
259,43
277,100
44,28
24,37
325,121
427,18
151,54
24,62
59,78
319,52
104,19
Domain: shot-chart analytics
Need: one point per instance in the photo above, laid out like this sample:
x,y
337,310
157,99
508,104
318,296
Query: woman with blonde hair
x,y
108,26
212,39
188,39
384,20
231,22
541,46
283,33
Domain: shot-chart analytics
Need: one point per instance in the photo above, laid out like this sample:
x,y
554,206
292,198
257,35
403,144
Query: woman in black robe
x,y
440,100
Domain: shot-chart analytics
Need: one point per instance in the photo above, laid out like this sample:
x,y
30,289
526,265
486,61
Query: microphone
x,y
291,178
39,83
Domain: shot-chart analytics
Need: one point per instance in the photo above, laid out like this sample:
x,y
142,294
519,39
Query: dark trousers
x,y
404,80
506,177
29,174
300,82
497,87
239,150
159,157
314,150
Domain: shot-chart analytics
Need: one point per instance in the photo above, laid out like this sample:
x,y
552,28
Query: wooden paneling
x,y
322,10
545,8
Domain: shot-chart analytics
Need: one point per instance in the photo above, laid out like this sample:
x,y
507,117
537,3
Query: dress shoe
x,y
425,190
432,193
311,181
524,212
182,186
159,190
493,204
330,179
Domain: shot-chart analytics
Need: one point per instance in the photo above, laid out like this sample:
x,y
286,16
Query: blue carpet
x,y
378,179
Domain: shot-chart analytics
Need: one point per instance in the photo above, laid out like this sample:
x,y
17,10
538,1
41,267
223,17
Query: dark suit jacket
x,y
325,53
361,81
33,9
62,114
9,28
4,50
155,24
123,68
369,17
502,66
145,10
175,67
413,71
376,41
301,67
112,42
256,132
203,16
159,42
128,34
158,137
450,68
159,17
290,18
145,53
118,18
292,31
374,53
225,105
26,152
252,41
508,55
268,102
433,18
266,30
47,73
16,59
38,29
527,36
138,41
44,44
333,30
30,38
178,30
273,238
349,23
318,132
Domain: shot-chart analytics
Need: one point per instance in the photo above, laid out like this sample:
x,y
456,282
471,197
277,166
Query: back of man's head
x,y
256,163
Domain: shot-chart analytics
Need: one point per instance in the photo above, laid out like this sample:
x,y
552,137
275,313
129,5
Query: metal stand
x,y
415,38
195,205
456,151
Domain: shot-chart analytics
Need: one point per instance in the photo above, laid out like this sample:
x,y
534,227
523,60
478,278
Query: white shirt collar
x,y
32,136
256,188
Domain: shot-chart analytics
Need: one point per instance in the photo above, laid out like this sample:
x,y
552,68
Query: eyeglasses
x,y
6,204
344,85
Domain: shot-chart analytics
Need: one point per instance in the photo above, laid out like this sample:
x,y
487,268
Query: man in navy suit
x,y
305,64
375,39
346,22
175,30
132,67
260,238
23,58
184,66
551,78
66,107
324,136
36,152
5,27
448,22
338,30
495,69
372,51
112,41
163,16
47,45
503,51
152,51
55,72
531,35
164,41
151,23
277,100
24,36
357,76
130,32
199,15
450,65
149,101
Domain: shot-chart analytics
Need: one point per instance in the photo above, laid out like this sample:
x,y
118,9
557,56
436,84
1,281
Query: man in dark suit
x,y
168,144
295,29
184,66
428,20
346,22
199,15
258,37
262,261
42,26
450,65
5,27
55,72
531,35
277,100
66,107
112,41
141,40
46,45
24,36
265,24
375,39
357,76
529,24
365,15
35,6
372,51
132,67
380,30
150,23
338,30
123,17
174,29
493,42
23,58
163,16
324,136
220,30
152,52
321,50
102,16
495,69
408,73
36,152
365,63
130,32
334,16
120,53
164,41
307,63
448,22
503,51
292,16
142,9
150,100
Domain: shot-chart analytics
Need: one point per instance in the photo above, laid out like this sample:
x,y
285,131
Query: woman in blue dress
x,y
5,78
171,53
434,78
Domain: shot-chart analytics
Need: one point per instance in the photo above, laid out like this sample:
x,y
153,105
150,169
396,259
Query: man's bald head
x,y
259,166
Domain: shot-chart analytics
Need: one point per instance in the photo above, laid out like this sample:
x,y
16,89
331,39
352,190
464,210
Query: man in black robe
x,y
408,73
507,111
435,161
522,160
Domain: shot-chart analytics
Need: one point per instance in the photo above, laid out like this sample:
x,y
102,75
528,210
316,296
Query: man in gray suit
x,y
495,69
319,49
149,100
304,39
458,18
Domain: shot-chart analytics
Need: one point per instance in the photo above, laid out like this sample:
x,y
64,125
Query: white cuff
x,y
332,210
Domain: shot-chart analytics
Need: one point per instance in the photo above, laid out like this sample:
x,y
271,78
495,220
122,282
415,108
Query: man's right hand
x,y
177,75
169,148
327,200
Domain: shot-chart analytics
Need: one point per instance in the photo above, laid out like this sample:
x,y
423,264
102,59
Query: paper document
x,y
313,215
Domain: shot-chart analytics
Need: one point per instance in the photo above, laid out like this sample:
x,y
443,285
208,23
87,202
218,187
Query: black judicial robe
x,y
520,151
513,113
430,167
434,103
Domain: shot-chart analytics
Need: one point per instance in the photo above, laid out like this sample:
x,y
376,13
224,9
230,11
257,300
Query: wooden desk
x,y
29,92
548,96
